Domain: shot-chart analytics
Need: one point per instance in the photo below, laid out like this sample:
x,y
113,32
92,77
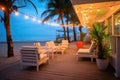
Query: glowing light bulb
x,y
98,10
39,21
81,12
16,13
26,16
34,19
3,8
45,22
91,7
84,14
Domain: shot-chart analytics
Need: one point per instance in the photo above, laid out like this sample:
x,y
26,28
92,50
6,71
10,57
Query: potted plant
x,y
101,38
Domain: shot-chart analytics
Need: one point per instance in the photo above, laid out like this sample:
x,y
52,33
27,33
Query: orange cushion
x,y
79,44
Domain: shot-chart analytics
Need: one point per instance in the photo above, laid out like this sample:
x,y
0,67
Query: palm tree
x,y
81,33
55,10
71,18
7,7
74,21
67,15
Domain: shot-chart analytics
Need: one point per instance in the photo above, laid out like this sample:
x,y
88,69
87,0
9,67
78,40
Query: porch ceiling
x,y
90,11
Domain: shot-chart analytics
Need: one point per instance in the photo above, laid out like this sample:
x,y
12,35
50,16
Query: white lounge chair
x,y
54,49
30,56
87,52
41,49
58,48
51,48
65,44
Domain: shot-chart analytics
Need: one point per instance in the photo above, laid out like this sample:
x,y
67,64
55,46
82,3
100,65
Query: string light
x,y
16,13
91,7
26,17
98,10
35,19
39,21
3,8
84,14
45,22
81,12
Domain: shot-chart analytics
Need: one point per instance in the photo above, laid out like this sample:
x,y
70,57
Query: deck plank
x,y
62,67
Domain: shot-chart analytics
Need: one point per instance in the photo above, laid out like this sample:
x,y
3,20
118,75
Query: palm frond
x,y
33,5
46,12
21,6
1,18
49,16
13,1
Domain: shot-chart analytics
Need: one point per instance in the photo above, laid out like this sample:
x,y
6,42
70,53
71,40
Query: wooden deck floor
x,y
62,67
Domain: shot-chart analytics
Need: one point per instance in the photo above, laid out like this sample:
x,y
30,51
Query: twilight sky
x,y
28,30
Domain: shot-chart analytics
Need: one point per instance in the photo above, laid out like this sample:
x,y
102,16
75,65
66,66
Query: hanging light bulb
x,y
98,10
26,16
87,18
84,14
16,13
34,18
91,7
2,8
39,21
81,12
45,22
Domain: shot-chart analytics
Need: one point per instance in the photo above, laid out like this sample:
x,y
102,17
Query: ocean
x,y
30,33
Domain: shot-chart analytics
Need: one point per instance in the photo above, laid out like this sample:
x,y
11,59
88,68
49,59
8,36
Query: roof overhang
x,y
90,11
78,2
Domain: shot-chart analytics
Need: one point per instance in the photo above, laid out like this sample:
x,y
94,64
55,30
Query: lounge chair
x,y
47,48
87,52
65,44
51,48
54,49
30,56
41,49
59,48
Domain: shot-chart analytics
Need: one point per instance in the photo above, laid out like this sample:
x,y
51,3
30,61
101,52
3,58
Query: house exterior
x,y
108,12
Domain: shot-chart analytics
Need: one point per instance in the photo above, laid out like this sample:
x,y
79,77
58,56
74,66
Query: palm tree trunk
x,y
81,33
68,36
63,28
10,51
74,32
